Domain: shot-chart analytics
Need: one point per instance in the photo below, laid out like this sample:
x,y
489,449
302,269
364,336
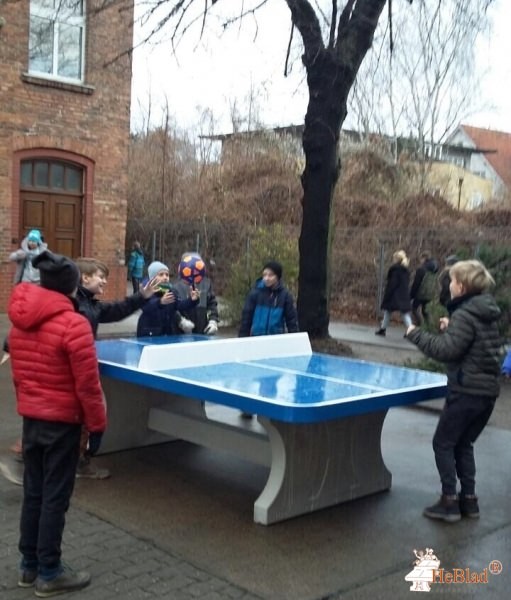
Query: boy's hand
x,y
94,443
168,298
149,288
443,323
186,325
211,328
194,294
410,329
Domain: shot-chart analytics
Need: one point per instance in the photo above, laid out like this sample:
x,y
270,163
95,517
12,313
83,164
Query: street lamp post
x,y
460,184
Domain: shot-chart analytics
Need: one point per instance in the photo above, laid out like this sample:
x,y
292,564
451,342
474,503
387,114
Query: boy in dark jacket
x,y
470,345
93,278
159,313
56,378
94,275
203,317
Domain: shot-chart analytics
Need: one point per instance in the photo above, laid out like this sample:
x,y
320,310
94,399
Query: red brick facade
x,y
86,125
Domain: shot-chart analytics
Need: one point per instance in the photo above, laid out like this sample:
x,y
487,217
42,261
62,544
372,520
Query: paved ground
x,y
174,521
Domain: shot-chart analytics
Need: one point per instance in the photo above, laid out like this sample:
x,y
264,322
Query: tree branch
x,y
306,21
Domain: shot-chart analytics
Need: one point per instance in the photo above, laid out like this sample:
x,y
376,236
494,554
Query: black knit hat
x,y
58,272
274,266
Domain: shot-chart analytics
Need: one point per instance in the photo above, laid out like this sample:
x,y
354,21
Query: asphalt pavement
x,y
175,520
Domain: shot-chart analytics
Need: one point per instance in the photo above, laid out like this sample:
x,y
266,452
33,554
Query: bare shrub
x,y
222,210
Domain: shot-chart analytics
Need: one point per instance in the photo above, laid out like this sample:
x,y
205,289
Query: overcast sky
x,y
219,70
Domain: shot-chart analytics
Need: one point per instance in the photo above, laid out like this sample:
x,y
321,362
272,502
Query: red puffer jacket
x,y
53,358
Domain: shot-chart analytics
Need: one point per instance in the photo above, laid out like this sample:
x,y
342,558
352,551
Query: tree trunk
x,y
325,114
331,72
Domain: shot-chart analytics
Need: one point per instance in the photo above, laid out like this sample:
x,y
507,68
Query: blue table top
x,y
299,389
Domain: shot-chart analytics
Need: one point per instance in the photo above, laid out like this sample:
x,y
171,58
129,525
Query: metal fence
x,y
359,261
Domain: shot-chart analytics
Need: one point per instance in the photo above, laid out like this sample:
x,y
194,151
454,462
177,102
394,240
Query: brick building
x,y
65,88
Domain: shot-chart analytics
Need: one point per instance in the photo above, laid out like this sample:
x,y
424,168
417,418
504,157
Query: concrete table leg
x,y
321,464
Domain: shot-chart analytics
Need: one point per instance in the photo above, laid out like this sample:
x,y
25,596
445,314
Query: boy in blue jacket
x,y
269,307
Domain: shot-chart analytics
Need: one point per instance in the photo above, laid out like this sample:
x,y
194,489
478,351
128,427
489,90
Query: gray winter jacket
x,y
23,258
471,346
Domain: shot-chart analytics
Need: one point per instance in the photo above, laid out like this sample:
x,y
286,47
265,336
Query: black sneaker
x,y
469,507
27,577
446,509
381,331
67,581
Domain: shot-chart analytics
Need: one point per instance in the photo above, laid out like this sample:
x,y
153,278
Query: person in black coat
x,y
423,288
396,296
444,280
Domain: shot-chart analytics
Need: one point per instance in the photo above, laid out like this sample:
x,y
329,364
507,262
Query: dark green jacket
x,y
470,347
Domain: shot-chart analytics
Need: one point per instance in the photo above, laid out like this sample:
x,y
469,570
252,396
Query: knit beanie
x,y
274,266
155,267
58,272
34,235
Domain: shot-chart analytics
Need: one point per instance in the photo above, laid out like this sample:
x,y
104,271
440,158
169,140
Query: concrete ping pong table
x,y
320,417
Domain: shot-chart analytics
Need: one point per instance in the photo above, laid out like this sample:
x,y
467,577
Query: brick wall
x,y
88,124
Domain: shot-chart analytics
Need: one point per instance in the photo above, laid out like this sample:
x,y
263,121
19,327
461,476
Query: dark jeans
x,y
50,453
135,282
462,420
419,311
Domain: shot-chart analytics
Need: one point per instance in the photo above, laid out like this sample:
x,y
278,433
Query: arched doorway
x,y
51,200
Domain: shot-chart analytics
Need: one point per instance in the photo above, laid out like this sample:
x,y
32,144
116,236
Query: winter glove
x,y
186,325
94,443
211,328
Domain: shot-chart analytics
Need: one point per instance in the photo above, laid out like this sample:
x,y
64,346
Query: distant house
x,y
472,167
65,93
482,152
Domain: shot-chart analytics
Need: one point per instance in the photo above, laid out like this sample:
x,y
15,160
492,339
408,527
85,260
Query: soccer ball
x,y
192,268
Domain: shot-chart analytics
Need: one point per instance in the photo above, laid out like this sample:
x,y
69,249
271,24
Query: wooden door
x,y
51,201
58,217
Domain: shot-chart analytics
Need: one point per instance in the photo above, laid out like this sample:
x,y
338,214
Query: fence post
x,y
153,246
381,276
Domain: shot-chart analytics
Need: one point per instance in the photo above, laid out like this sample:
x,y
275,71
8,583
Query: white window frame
x,y
52,12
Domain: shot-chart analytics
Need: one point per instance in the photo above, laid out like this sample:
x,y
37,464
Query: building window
x,y
57,38
53,175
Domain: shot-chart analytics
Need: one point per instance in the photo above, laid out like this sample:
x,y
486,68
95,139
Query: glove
x,y
186,325
211,328
94,443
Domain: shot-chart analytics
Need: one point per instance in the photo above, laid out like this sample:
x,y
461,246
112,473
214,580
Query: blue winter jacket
x,y
136,264
268,311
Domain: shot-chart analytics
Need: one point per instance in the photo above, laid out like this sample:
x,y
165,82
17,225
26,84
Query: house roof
x,y
500,143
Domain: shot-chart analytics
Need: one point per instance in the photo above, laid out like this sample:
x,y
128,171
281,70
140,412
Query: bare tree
x,y
334,46
430,82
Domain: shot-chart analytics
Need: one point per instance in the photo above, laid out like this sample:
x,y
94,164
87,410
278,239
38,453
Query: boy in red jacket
x,y
50,339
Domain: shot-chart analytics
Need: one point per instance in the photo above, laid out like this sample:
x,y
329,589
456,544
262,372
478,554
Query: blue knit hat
x,y
155,267
34,235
